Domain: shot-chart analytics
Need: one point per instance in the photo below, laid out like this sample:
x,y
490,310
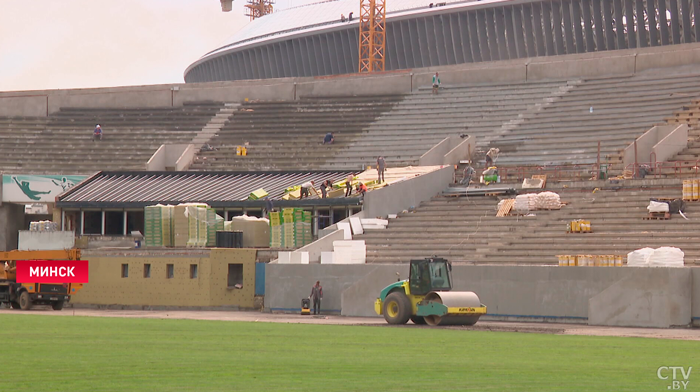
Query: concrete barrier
x,y
46,240
512,293
584,66
287,284
646,297
185,159
664,141
323,244
406,194
349,85
169,156
436,155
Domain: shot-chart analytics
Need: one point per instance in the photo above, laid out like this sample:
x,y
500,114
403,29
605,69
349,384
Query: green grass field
x,y
44,353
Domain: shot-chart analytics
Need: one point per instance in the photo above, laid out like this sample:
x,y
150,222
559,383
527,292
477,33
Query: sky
x,y
66,44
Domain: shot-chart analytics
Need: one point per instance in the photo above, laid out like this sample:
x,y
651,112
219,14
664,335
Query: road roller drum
x,y
451,308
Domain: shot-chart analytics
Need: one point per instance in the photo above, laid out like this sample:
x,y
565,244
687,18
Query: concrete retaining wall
x,y
406,194
46,240
511,292
619,62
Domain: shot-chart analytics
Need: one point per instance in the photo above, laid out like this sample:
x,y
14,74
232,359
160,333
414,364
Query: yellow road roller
x,y
426,297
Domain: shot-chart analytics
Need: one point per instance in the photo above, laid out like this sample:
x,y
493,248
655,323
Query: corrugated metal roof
x,y
215,188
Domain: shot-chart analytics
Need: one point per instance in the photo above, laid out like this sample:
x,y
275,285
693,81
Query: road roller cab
x,y
426,297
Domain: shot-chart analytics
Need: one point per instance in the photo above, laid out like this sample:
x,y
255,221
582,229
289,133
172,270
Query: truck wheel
x,y
418,320
58,305
397,308
14,305
24,302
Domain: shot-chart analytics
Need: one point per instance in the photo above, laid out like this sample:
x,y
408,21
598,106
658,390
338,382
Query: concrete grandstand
x,y
560,87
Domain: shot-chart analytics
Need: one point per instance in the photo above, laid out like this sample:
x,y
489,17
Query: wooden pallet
x,y
658,216
542,177
506,207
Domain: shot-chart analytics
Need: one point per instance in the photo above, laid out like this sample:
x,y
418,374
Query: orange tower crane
x,y
258,8
372,35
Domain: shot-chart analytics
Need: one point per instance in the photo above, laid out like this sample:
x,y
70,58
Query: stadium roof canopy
x,y
291,20
311,40
218,189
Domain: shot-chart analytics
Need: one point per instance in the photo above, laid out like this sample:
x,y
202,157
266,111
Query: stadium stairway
x,y
289,135
467,230
63,142
613,110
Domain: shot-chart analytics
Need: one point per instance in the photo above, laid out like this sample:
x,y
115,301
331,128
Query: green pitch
x,y
44,353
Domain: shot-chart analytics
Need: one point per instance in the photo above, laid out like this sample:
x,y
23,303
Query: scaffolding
x,y
372,35
257,8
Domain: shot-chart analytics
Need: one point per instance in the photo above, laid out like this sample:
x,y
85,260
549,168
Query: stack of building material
x,y
662,257
524,203
276,229
180,226
349,252
374,224
214,223
547,201
257,194
158,225
293,258
290,229
256,231
302,228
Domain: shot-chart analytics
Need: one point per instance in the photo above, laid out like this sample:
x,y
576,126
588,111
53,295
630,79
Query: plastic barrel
x,y
563,260
237,239
224,239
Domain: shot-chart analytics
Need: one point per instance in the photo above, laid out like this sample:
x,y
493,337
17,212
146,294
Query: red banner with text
x,y
52,271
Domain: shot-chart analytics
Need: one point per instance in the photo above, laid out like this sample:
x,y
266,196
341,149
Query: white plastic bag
x,y
655,206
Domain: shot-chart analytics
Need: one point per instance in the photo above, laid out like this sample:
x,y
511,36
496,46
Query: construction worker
x,y
436,82
491,156
381,167
348,185
305,189
316,297
467,175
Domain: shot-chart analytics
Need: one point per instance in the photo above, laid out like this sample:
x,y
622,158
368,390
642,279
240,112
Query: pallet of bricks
x,y
290,228
158,225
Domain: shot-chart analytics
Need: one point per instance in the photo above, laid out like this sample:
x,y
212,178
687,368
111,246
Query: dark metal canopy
x,y
128,189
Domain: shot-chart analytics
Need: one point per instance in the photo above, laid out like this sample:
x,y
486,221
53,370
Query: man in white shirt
x,y
305,189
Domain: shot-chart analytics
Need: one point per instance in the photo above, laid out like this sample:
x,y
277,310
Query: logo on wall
x,y
18,188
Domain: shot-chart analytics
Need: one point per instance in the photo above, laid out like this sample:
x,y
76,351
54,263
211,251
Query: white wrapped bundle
x,y
547,201
667,256
523,203
655,206
639,257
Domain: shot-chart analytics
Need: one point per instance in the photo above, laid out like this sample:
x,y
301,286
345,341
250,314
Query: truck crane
x,y
25,295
